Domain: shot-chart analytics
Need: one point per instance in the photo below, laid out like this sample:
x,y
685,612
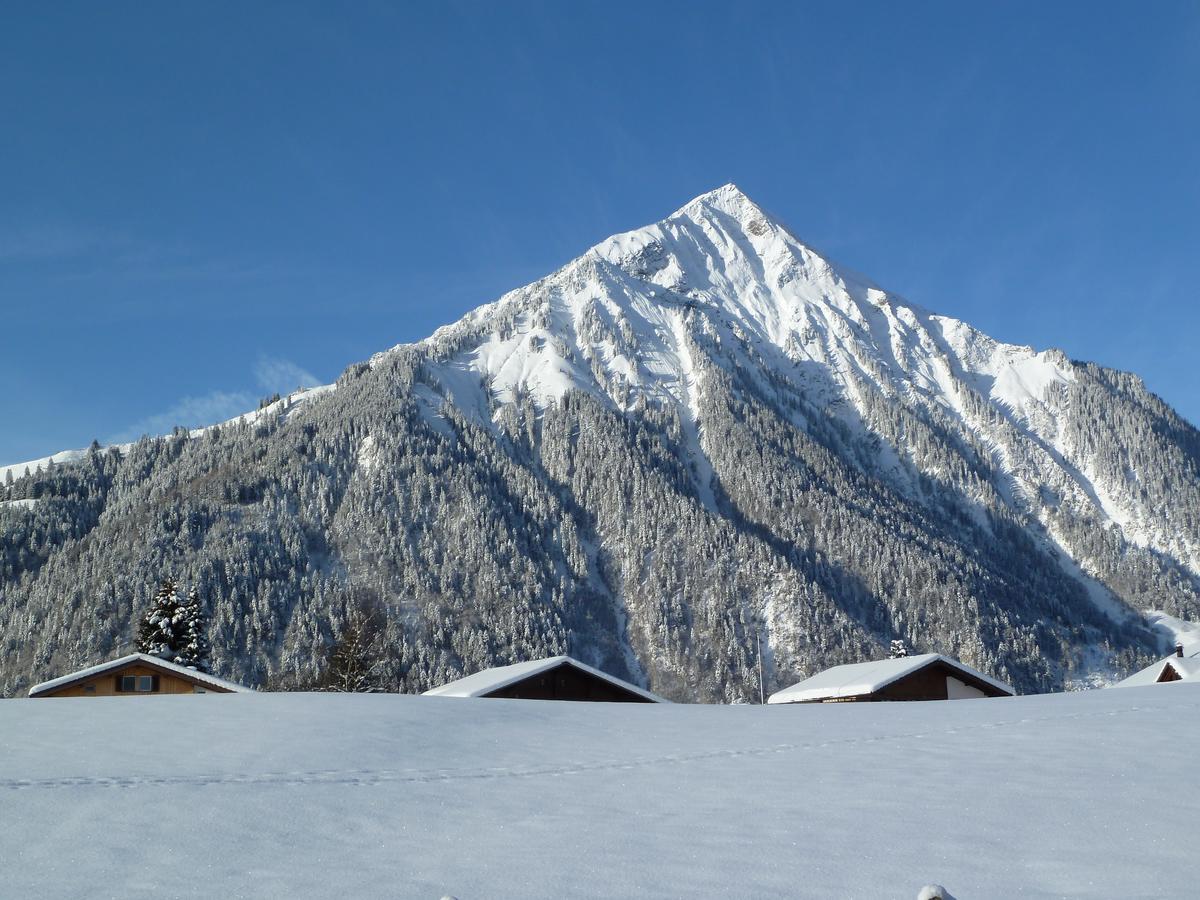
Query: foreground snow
x,y
287,795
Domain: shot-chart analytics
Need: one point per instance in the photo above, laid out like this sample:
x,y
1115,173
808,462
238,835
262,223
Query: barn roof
x,y
863,679
1187,667
143,658
489,680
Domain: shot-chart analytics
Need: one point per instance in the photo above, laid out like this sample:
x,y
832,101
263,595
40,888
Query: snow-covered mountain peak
x,y
646,316
723,252
730,200
720,254
616,322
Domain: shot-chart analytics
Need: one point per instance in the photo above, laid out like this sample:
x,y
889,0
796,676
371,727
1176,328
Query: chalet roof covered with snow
x,y
481,684
1186,668
140,658
864,679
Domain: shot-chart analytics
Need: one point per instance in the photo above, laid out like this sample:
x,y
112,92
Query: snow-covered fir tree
x,y
161,632
899,650
194,650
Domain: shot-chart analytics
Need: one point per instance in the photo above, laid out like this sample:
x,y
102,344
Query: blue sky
x,y
203,203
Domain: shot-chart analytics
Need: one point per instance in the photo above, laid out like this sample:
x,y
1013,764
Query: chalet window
x,y
89,689
137,684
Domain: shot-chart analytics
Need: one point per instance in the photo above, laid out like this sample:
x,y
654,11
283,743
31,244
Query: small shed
x,y
929,676
135,675
1180,667
555,678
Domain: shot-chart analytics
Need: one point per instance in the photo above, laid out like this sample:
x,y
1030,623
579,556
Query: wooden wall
x,y
929,683
565,682
1167,674
106,686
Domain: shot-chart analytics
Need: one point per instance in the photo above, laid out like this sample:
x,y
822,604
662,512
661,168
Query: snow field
x,y
303,795
29,503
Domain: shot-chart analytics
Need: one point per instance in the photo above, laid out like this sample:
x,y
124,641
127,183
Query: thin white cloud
x,y
271,375
49,242
281,375
190,412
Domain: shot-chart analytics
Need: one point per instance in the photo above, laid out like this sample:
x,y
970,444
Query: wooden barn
x,y
929,676
136,675
556,678
1179,667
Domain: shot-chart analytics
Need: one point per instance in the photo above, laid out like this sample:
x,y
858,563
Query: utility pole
x,y
761,694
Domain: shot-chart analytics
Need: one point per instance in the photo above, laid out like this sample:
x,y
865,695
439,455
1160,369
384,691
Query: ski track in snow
x,y
368,777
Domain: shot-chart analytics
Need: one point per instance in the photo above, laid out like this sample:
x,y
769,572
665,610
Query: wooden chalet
x,y
928,676
555,678
1179,667
135,675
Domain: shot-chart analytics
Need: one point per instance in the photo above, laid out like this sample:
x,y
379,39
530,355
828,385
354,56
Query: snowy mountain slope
x,y
617,322
614,323
697,437
425,797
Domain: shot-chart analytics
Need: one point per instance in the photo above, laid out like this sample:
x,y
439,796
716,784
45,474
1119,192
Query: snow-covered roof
x,y
490,680
861,679
143,658
1187,667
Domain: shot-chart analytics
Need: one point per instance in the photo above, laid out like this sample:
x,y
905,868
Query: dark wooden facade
x,y
929,683
1168,674
566,682
926,683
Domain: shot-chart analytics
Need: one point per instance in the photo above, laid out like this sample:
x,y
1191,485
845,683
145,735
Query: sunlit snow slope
x,y
627,320
302,795
615,322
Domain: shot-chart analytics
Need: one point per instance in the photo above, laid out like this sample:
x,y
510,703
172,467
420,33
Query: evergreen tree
x,y
899,650
161,632
194,650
